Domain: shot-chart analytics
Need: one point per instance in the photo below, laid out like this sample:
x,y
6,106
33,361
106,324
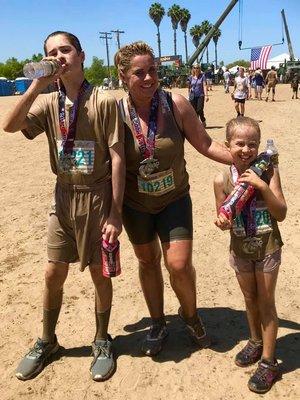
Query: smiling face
x,y
141,78
60,47
243,146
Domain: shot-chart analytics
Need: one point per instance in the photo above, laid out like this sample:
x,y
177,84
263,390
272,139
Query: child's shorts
x,y
267,264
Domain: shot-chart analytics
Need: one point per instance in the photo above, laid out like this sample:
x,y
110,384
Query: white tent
x,y
278,60
233,70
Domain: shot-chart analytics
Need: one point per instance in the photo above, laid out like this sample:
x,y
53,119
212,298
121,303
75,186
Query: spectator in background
x,y
271,81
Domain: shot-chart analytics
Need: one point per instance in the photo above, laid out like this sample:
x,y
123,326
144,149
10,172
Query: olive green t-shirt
x,y
99,126
267,238
169,151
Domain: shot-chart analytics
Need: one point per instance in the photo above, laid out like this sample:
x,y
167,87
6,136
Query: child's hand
x,y
249,176
222,222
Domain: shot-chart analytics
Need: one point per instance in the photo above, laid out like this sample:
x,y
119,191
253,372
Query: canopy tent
x,y
278,60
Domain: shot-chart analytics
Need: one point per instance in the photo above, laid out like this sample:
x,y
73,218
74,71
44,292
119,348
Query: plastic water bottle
x,y
236,200
110,259
272,151
34,70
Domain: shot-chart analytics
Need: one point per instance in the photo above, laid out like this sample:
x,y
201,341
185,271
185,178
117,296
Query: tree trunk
x,y
207,59
186,51
158,41
175,48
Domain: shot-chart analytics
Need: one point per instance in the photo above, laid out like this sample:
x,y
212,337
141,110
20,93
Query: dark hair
x,y
235,123
72,39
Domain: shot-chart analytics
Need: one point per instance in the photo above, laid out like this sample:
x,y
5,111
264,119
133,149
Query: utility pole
x,y
117,32
106,36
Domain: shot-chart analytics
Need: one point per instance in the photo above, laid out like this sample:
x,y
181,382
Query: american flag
x,y
259,57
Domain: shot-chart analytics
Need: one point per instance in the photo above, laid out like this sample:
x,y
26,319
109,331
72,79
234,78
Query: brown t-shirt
x,y
99,126
267,238
271,78
169,150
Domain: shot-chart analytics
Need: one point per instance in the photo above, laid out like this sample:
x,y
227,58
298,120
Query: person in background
x,y
86,143
197,91
295,86
209,75
240,92
157,211
271,82
259,83
226,77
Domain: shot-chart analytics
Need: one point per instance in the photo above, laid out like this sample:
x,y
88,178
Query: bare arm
x,y
221,222
196,134
272,193
16,120
113,226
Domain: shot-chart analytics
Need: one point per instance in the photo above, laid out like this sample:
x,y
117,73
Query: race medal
x,y
148,166
66,162
157,184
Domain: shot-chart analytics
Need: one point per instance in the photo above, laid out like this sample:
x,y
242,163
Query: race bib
x,y
157,184
262,220
81,160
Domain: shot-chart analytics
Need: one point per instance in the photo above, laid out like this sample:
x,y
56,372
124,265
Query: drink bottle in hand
x,y
34,70
110,258
236,200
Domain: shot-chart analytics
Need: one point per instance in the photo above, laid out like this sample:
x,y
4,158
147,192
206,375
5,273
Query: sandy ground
x,y
181,371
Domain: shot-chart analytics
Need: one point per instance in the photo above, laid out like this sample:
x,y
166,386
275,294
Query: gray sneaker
x,y
34,361
103,364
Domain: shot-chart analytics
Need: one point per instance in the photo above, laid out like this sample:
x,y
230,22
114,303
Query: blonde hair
x,y
124,56
239,122
194,69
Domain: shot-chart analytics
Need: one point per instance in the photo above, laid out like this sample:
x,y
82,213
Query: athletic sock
x,y
102,321
50,318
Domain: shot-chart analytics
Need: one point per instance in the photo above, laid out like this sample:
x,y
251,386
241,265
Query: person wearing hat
x,y
271,80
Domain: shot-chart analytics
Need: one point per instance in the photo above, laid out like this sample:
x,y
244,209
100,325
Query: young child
x,y
255,257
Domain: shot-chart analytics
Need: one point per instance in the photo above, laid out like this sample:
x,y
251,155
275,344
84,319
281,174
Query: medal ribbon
x,y
68,135
248,212
146,145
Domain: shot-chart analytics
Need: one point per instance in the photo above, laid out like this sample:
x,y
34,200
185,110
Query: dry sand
x,y
181,371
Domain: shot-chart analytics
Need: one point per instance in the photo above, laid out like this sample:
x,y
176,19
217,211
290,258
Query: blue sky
x,y
24,25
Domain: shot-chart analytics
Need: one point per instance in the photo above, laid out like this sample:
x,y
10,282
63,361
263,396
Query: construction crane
x,y
287,35
210,34
291,67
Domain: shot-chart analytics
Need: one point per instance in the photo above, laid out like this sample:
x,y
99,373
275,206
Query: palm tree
x,y
156,13
196,33
185,17
174,13
206,26
216,36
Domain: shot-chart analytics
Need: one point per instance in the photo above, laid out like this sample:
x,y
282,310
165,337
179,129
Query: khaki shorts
x,y
267,264
75,222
